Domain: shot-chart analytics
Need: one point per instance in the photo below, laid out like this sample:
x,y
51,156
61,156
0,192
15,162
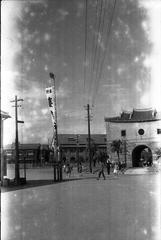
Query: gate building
x,y
139,133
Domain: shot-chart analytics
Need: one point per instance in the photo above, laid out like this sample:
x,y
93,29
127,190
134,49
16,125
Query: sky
x,y
105,53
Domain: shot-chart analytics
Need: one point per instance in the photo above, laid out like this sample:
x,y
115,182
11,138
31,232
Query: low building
x,y
3,116
32,154
139,134
72,146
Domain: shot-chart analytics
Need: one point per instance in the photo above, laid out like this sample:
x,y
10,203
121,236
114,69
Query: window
x,y
141,131
159,131
123,133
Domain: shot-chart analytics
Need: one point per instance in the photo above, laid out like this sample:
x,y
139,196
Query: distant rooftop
x,y
67,140
4,115
137,115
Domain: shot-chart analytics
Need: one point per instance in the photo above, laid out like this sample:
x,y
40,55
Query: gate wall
x,y
150,138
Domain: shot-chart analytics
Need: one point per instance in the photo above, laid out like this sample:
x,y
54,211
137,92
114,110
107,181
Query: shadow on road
x,y
38,183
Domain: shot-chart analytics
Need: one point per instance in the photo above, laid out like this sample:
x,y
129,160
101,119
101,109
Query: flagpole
x,y
51,97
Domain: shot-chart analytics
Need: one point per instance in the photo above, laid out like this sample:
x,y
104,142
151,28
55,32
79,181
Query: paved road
x,y
126,207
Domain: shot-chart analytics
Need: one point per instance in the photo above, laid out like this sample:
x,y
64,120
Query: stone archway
x,y
144,152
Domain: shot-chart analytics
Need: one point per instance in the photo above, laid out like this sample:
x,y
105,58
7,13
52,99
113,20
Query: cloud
x,y
44,111
77,114
138,86
111,85
80,9
38,2
101,42
154,59
62,14
63,90
47,37
32,91
11,12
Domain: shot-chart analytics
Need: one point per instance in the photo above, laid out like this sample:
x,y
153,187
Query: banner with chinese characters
x,y
51,98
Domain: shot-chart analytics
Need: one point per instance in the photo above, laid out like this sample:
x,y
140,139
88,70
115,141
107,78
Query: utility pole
x,y
77,151
17,172
125,150
89,137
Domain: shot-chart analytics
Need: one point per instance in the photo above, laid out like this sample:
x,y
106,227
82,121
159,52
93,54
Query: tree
x,y
158,152
116,146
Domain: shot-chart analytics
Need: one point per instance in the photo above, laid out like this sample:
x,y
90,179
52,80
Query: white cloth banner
x,y
50,94
51,97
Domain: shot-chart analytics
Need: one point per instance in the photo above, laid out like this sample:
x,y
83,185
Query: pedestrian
x,y
80,167
68,169
101,171
119,167
123,166
94,160
108,165
115,171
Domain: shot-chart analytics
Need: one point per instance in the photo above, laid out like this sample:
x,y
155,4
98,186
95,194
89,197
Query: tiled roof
x,y
137,115
125,115
68,140
24,146
82,138
4,115
143,114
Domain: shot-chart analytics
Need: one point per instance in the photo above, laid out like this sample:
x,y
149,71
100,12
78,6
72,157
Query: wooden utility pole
x,y
77,151
89,137
17,172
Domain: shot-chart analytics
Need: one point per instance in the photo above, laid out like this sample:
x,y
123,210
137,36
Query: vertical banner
x,y
51,98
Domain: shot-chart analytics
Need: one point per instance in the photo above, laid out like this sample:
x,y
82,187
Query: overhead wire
x,y
96,41
93,42
99,75
99,42
97,25
85,44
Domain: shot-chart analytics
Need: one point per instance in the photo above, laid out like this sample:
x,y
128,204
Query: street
x,y
126,207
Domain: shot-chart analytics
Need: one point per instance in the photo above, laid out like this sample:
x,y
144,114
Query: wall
x,y
150,138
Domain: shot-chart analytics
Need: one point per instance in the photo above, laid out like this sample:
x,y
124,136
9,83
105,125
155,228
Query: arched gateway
x,y
141,155
140,133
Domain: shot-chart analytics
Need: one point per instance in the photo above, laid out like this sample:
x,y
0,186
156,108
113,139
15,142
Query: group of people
x,y
68,167
104,163
118,167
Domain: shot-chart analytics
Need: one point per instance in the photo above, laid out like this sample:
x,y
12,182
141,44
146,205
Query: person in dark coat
x,y
119,166
108,165
101,172
80,167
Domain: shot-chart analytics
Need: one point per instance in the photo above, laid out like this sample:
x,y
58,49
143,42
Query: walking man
x,y
108,164
101,172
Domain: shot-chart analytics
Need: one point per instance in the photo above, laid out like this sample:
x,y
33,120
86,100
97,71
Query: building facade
x,y
73,146
3,116
139,133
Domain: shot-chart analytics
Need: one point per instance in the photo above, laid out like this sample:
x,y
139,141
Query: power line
x,y
96,46
99,41
105,52
85,51
98,77
93,50
94,38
